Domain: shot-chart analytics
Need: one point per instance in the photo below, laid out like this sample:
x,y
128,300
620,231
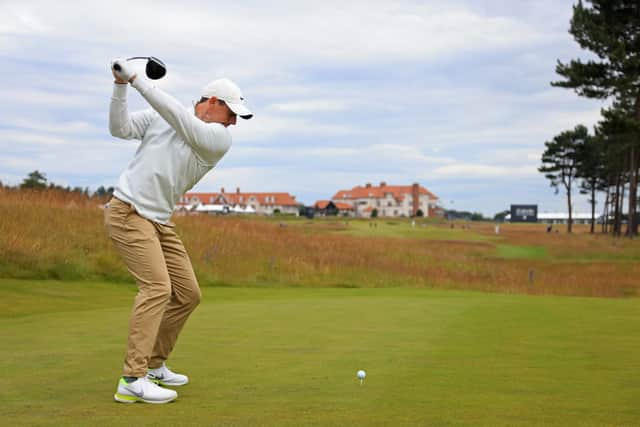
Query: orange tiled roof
x,y
268,199
322,204
343,206
397,191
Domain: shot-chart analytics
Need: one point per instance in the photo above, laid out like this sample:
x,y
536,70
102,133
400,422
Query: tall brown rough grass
x,y
52,234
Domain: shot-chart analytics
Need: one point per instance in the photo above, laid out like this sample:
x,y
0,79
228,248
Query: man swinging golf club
x,y
178,147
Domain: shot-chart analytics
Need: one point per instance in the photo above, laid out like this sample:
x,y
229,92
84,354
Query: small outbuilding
x,y
331,208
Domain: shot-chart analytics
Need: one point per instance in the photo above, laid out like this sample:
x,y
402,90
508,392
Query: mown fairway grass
x,y
288,356
403,228
521,252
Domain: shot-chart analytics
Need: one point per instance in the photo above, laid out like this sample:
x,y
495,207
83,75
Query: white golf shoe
x,y
165,377
143,390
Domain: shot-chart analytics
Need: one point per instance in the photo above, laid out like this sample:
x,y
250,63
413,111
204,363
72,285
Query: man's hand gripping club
x,y
122,72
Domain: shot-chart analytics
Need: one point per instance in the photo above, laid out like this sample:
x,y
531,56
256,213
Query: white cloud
x,y
310,106
471,171
511,156
265,126
369,157
29,97
17,17
282,31
89,158
29,139
70,127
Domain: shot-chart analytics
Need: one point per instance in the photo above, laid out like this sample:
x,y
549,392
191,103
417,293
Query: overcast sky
x,y
452,94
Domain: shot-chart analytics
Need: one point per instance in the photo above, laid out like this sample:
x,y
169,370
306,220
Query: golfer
x,y
177,148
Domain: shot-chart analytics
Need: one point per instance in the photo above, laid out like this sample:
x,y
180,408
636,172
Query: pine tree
x,y
591,171
560,162
35,180
611,30
619,131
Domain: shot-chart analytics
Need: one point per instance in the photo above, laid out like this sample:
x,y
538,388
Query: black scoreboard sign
x,y
524,213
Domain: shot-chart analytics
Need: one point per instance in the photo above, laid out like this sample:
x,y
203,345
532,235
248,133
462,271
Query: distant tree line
x,y
465,215
38,181
607,160
501,216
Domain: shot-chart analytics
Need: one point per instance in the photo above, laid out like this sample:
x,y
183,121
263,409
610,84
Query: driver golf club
x,y
155,68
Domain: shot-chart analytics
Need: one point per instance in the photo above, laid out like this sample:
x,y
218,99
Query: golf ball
x,y
361,374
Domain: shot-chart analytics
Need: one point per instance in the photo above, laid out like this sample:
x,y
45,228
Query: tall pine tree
x,y
561,160
611,30
619,131
591,171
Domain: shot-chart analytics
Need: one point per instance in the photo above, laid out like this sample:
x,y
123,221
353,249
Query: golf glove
x,y
121,69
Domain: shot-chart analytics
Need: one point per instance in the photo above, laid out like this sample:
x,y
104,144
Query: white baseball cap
x,y
229,92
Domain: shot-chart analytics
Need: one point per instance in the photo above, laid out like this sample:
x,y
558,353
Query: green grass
x,y
521,252
398,228
283,356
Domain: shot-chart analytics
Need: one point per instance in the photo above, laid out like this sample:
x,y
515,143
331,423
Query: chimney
x,y
382,184
222,190
237,190
415,191
368,185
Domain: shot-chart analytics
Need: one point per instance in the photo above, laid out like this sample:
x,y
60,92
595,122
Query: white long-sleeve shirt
x,y
177,149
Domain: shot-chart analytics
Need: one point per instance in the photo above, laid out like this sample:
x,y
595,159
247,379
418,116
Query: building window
x,y
389,204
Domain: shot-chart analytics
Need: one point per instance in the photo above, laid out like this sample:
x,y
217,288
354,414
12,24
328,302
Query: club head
x,y
155,68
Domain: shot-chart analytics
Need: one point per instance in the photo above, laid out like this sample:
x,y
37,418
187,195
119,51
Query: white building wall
x,y
407,205
388,206
269,209
289,210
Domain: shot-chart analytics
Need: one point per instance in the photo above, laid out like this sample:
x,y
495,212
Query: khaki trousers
x,y
168,290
